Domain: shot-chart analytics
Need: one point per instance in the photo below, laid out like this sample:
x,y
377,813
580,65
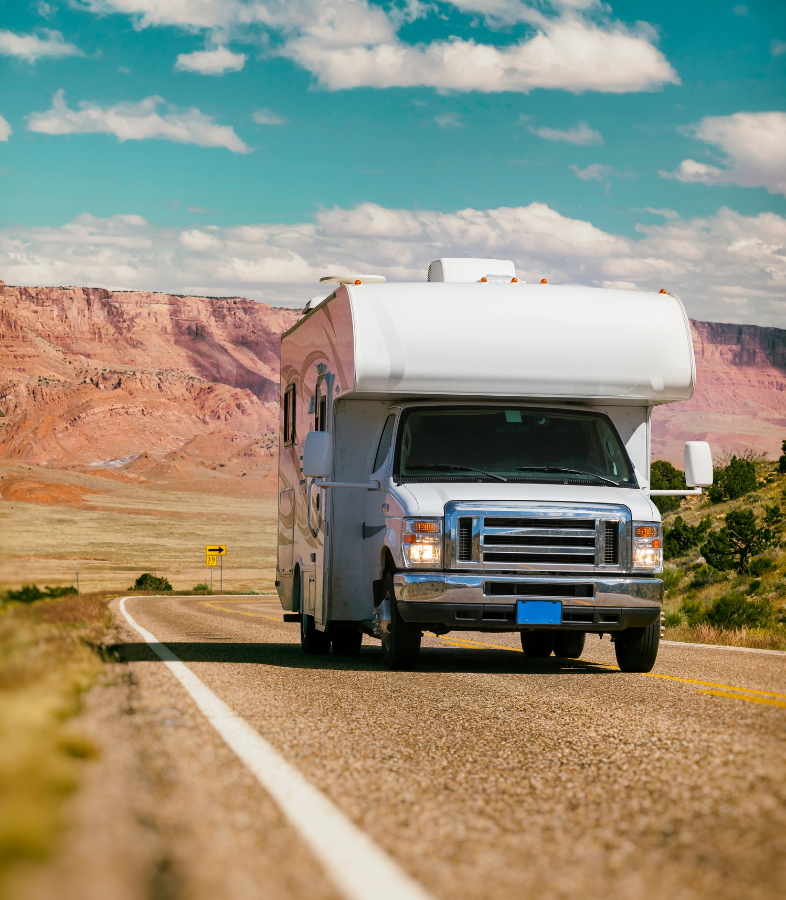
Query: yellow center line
x,y
212,605
723,687
764,700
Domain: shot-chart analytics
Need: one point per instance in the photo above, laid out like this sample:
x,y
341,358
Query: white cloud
x,y
753,144
266,117
580,134
728,255
5,130
777,48
449,120
211,62
691,172
740,10
32,47
593,172
665,212
136,122
355,43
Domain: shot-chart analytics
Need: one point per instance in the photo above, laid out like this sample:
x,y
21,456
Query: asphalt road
x,y
488,775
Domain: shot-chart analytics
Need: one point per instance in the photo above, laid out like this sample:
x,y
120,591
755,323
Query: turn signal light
x,y
648,531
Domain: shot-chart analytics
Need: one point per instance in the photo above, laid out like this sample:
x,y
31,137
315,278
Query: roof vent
x,y
468,270
351,278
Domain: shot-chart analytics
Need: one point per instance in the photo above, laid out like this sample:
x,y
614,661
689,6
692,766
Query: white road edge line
x,y
781,653
356,866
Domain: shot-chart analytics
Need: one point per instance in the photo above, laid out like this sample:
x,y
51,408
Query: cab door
x,y
374,513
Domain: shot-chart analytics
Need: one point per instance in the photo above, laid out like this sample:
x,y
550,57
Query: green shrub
x,y
733,546
31,592
200,588
671,578
664,477
678,539
773,516
737,611
733,481
673,620
704,576
782,460
149,582
760,566
754,586
694,612
27,594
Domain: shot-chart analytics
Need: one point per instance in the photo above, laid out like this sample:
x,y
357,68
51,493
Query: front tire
x,y
347,642
569,644
636,649
313,642
401,642
537,644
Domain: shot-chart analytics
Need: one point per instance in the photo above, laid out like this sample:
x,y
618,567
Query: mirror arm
x,y
369,485
696,492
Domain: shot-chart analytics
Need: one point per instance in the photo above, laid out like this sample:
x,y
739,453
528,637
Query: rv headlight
x,y
647,547
421,543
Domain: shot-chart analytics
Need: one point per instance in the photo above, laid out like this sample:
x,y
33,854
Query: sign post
x,y
212,553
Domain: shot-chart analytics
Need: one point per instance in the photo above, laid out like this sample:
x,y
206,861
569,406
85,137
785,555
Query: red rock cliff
x,y
88,374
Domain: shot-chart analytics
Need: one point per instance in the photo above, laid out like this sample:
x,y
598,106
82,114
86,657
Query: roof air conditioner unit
x,y
464,269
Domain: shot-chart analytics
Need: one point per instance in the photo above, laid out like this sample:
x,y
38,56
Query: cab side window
x,y
289,415
384,442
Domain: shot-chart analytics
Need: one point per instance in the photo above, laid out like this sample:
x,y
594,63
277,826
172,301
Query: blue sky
x,y
377,125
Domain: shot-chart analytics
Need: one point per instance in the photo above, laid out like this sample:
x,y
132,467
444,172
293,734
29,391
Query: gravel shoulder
x,y
484,774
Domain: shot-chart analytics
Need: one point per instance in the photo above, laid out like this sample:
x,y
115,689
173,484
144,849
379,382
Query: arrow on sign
x,y
220,549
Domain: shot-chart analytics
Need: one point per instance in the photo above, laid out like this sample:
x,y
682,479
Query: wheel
x,y
537,644
637,648
569,644
400,639
313,642
347,642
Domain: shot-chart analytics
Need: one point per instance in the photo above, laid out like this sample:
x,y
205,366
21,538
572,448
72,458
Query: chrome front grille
x,y
523,540
535,537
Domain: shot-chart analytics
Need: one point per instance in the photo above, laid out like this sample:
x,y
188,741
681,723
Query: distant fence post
x,y
78,592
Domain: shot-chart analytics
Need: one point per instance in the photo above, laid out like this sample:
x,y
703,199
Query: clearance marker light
x,y
662,291
543,281
358,281
484,278
514,281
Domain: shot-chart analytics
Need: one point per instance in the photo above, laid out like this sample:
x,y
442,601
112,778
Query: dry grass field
x,y
112,526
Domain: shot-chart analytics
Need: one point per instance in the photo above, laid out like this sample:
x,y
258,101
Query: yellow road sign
x,y
211,559
217,549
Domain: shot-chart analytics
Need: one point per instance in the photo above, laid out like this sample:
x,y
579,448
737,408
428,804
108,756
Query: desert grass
x,y
122,530
756,638
46,663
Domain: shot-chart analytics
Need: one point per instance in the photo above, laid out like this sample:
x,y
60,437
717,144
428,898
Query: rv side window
x,y
289,415
384,442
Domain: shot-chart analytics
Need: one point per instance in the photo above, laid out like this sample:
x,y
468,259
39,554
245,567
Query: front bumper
x,y
488,602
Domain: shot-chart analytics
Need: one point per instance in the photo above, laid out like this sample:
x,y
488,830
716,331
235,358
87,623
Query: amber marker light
x,y
647,531
358,281
662,291
543,281
514,281
484,278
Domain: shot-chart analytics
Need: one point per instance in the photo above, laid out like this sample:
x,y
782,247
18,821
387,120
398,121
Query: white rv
x,y
473,453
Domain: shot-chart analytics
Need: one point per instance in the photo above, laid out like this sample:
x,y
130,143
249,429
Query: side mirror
x,y
318,455
698,464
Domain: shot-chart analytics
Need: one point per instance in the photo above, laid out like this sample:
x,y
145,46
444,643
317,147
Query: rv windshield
x,y
510,444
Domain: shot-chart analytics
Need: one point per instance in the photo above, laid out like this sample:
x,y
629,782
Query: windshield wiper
x,y
450,468
567,471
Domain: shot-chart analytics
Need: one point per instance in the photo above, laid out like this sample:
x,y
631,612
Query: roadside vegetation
x,y
725,554
47,661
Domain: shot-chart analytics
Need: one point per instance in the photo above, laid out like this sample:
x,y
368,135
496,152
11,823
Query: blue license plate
x,y
539,612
